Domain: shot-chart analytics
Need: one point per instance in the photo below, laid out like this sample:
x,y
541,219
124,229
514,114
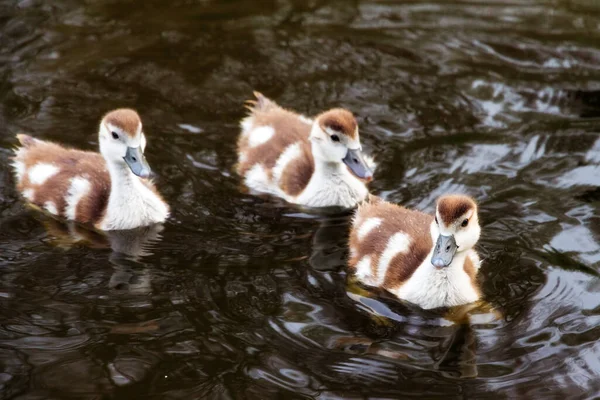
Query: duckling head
x,y
335,139
455,228
122,141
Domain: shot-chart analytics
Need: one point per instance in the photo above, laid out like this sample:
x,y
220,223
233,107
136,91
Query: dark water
x,y
245,297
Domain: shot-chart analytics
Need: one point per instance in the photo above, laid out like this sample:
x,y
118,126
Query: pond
x,y
241,296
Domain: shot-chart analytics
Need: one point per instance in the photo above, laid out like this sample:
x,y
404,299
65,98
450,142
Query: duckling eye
x,y
115,135
335,138
465,223
436,221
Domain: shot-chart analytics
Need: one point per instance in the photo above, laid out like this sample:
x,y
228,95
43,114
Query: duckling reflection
x,y
328,242
453,341
128,247
453,357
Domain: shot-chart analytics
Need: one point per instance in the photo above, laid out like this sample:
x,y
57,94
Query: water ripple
x,y
243,296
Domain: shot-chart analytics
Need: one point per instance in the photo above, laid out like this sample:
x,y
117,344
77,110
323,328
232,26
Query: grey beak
x,y
137,162
444,251
355,161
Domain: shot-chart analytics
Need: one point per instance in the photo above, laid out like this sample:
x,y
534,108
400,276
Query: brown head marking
x,y
339,120
126,119
451,207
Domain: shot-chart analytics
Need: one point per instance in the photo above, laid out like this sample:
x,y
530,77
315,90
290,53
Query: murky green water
x,y
246,297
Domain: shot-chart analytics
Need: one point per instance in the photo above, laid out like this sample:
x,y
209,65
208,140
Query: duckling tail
x,y
261,103
25,140
372,199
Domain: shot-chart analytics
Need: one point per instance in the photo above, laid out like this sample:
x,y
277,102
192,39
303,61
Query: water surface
x,y
246,297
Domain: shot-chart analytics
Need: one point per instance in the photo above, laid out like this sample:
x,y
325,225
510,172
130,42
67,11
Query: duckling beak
x,y
137,162
444,251
357,164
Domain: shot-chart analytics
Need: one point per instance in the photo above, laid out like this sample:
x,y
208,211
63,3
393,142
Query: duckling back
x,y
388,243
274,154
68,183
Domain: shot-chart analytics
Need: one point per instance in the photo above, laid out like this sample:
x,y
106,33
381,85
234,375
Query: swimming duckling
x,y
108,190
393,248
316,163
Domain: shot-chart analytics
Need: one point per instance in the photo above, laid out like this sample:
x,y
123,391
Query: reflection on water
x,y
240,296
127,247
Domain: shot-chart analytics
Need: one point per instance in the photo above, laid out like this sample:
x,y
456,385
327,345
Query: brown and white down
x,y
312,162
110,190
424,259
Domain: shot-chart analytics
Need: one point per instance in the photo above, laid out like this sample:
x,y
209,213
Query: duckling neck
x,y
123,182
330,168
332,185
131,203
457,263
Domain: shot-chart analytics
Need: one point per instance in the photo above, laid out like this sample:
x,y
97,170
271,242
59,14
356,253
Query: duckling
x,y
315,163
393,248
110,190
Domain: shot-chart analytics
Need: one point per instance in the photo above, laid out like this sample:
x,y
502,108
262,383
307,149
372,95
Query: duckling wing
x,y
68,183
388,243
294,169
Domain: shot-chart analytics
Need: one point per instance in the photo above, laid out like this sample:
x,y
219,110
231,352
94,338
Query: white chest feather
x,y
131,204
430,287
332,186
